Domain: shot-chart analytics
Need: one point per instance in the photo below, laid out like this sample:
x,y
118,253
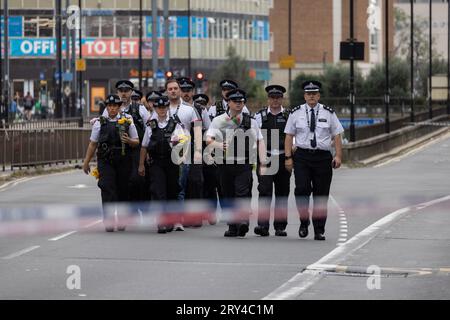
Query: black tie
x,y
313,128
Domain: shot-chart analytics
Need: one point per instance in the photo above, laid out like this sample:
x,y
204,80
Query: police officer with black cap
x,y
220,107
114,135
315,127
187,87
272,120
236,140
151,97
157,144
125,90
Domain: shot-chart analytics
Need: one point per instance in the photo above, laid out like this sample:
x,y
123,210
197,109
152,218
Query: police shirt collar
x,y
313,108
269,109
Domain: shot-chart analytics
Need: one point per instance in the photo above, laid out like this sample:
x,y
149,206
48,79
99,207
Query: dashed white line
x,y
61,236
19,253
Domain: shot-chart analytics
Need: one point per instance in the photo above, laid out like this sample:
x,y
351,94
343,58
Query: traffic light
x,y
169,74
200,76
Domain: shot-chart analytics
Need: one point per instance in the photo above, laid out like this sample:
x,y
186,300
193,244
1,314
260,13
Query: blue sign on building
x,y
15,26
360,122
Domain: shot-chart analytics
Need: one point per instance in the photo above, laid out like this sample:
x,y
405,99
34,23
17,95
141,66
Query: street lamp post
x,y
80,56
189,38
430,107
154,43
140,45
59,108
6,54
448,57
412,61
387,95
352,75
290,40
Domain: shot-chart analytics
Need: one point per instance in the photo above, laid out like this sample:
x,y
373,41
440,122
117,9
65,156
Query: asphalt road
x,y
411,249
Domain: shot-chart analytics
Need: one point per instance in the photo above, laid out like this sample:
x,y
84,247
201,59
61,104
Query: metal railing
x,y
48,124
32,147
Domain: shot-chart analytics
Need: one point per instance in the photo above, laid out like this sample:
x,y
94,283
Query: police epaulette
x,y
328,108
152,124
102,120
295,109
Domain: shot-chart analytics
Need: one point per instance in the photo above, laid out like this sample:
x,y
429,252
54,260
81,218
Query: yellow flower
x,y
122,120
95,173
129,121
183,138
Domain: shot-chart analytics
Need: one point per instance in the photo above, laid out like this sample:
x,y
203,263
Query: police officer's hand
x,y
141,170
289,164
225,146
125,138
336,163
86,168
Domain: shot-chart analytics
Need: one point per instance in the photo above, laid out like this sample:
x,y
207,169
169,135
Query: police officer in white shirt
x,y
221,106
164,172
113,156
314,126
273,120
238,138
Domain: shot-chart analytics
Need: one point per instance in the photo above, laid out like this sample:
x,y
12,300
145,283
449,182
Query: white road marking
x,y
92,223
12,184
304,280
61,236
19,253
342,222
78,186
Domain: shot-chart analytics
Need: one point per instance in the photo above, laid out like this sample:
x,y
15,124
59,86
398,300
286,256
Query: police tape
x,y
23,220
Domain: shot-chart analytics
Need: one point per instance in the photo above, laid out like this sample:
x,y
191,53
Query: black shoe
x,y
162,229
169,228
319,236
243,229
280,233
261,231
231,232
121,228
109,229
303,231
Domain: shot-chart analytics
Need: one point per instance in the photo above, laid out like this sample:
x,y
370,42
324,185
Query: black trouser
x,y
236,181
138,190
212,190
113,181
281,180
164,185
313,174
195,182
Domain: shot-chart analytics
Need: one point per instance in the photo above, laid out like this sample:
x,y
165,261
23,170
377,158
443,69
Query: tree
x,y
235,68
399,80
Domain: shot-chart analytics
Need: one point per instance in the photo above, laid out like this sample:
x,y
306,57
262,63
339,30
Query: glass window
x,y
92,25
226,28
235,29
107,26
135,26
30,26
46,27
122,27
249,30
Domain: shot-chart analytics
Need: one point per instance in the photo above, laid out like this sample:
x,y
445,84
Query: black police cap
x,y
275,90
186,83
113,99
311,86
237,95
124,84
162,101
201,98
136,94
153,95
228,85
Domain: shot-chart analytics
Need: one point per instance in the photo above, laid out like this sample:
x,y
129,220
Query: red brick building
x,y
318,27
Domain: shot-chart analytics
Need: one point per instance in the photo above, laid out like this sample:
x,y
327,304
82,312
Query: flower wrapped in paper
x,y
95,173
123,123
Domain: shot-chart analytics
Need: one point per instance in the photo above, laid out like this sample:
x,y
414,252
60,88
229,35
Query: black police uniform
x,y
236,179
114,168
281,179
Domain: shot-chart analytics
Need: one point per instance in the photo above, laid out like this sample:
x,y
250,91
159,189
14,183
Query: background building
x,y
318,27
110,31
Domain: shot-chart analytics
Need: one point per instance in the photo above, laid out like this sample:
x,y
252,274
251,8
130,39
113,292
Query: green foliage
x,y
399,79
235,68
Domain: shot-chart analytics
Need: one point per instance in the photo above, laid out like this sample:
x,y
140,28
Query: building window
x,y
122,27
107,26
30,26
235,29
92,26
135,26
46,27
249,30
374,41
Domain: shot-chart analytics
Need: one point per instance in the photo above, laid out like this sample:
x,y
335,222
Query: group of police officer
x,y
189,150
